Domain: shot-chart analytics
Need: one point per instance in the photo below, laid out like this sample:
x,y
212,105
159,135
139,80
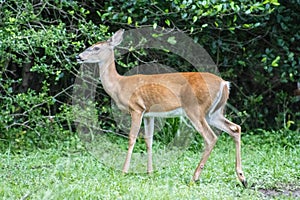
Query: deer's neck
x,y
109,76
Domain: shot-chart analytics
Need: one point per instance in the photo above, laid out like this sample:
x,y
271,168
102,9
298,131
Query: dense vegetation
x,y
254,44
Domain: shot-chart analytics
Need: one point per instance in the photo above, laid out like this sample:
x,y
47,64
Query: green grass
x,y
69,174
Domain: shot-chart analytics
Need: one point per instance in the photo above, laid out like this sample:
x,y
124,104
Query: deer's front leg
x,y
149,128
136,119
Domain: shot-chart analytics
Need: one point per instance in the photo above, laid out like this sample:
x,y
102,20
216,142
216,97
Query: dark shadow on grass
x,y
287,190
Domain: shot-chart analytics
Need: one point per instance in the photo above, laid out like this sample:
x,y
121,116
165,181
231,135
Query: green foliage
x,y
38,44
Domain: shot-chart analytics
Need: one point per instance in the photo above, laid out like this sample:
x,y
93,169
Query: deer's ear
x,y
117,38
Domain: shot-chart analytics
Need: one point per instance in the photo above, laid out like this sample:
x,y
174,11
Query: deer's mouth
x,y
79,59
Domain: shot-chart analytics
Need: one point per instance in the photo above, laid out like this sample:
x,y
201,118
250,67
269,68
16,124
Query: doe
x,y
201,97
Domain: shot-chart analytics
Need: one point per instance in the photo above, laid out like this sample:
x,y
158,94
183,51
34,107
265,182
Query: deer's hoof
x,y
245,184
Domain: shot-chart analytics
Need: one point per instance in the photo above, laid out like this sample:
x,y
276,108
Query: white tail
x,y
201,97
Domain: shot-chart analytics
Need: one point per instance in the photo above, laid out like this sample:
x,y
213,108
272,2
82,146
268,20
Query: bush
x,y
39,41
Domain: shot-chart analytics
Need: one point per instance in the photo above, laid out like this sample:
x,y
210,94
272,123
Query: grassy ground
x,y
273,171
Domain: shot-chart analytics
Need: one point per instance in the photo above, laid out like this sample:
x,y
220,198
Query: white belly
x,y
173,113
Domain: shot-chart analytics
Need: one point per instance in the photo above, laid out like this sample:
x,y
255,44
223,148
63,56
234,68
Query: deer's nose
x,y
79,59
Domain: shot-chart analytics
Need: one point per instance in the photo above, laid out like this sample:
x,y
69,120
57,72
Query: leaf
x,y
129,20
231,29
168,22
99,14
241,62
218,7
195,18
247,25
274,2
216,24
234,18
192,29
232,5
275,61
172,40
155,35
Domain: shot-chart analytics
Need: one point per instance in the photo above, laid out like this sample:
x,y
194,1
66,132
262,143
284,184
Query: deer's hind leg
x,y
219,121
210,139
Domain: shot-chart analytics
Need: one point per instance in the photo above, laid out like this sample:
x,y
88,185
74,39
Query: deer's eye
x,y
96,48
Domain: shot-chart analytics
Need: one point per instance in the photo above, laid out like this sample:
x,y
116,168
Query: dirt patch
x,y
288,190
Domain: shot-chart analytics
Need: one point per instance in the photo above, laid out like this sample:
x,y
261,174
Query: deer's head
x,y
101,51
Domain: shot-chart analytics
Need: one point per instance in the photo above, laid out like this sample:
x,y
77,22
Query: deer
x,y
199,96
